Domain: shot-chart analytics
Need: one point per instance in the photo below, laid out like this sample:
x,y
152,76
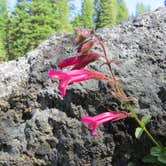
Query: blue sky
x,y
131,4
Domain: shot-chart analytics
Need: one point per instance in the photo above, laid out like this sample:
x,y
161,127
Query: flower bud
x,y
85,46
82,34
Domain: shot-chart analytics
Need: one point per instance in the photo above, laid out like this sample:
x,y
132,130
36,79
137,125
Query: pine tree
x,y
77,21
122,11
141,8
32,22
106,13
62,12
87,13
3,18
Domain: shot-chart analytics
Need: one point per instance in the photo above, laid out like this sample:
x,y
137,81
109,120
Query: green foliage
x,y
87,13
106,13
85,19
30,23
141,8
130,164
77,22
109,12
3,18
157,156
122,11
138,132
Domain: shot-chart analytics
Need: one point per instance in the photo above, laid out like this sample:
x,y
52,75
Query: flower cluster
x,y
85,40
78,62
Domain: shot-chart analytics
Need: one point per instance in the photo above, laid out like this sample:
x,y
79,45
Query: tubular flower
x,y
79,61
85,46
82,34
95,121
72,76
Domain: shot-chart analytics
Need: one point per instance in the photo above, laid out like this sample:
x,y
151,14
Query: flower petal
x,y
62,87
85,59
55,74
68,62
72,76
95,121
87,119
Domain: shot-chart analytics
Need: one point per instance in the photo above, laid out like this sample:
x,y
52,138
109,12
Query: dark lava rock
x,y
38,128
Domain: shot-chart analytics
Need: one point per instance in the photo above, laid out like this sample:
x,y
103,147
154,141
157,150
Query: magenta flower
x,y
95,121
79,61
85,46
72,76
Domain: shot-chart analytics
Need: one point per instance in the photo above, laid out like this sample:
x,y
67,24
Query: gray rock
x,y
37,127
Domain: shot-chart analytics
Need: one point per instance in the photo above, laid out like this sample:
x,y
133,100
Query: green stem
x,y
142,125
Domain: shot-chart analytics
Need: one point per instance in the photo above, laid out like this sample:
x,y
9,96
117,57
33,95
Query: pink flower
x,y
72,76
85,46
95,121
79,61
82,34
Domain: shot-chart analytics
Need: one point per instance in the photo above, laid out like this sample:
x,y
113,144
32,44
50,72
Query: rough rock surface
x,y
38,128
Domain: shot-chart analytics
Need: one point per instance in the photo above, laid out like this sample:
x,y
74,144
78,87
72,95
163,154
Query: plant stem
x,y
142,125
120,90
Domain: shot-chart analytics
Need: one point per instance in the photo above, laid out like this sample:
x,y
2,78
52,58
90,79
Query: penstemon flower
x,y
79,61
85,46
72,76
95,121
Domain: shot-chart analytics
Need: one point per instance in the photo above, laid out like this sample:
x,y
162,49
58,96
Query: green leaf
x,y
162,158
130,164
138,132
164,150
122,106
155,151
145,119
150,159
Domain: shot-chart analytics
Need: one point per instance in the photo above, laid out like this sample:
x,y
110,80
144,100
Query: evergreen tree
x,y
141,8
106,13
87,13
3,18
122,11
32,22
77,21
62,14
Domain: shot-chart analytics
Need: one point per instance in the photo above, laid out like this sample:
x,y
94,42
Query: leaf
x,y
155,151
122,106
164,150
150,159
145,119
138,132
162,158
130,164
